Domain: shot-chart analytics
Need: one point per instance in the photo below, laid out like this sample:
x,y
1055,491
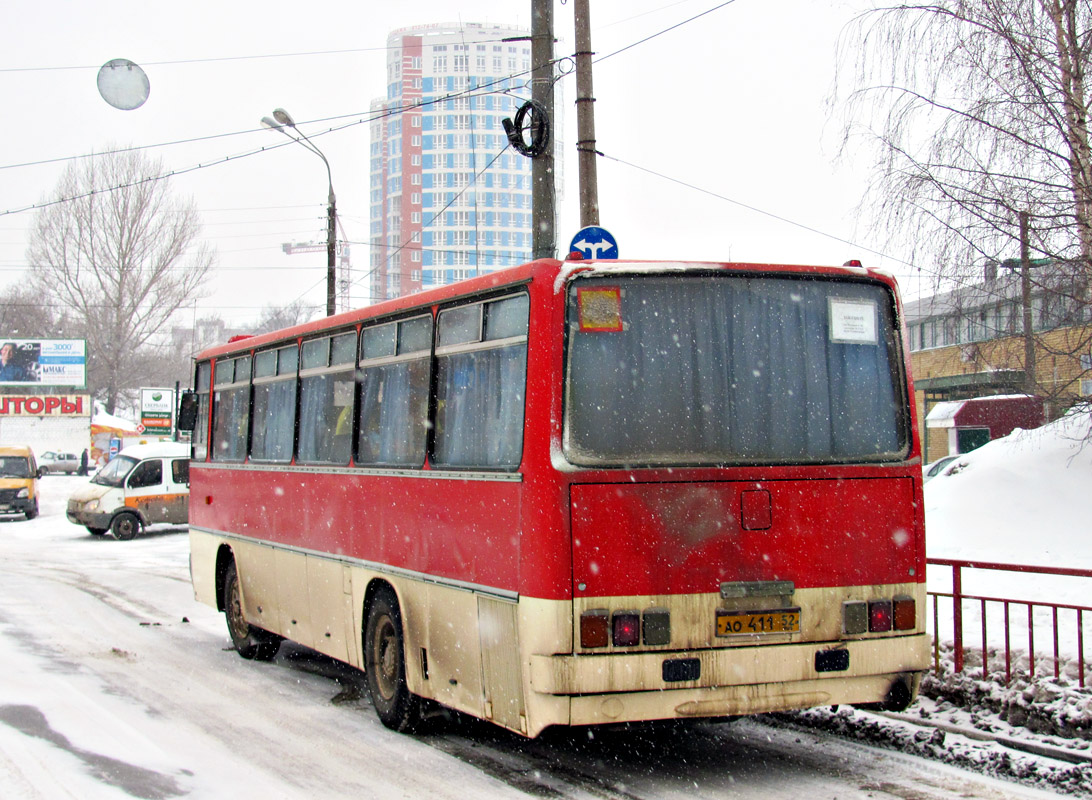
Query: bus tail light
x,y
906,613
595,628
879,616
656,626
626,628
855,617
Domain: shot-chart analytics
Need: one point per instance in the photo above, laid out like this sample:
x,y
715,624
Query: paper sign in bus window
x,y
600,309
853,321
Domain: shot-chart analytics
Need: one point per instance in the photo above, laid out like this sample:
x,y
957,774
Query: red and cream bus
x,y
576,493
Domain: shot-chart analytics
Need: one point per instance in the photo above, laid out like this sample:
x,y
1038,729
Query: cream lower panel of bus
x,y
303,598
728,701
693,617
470,651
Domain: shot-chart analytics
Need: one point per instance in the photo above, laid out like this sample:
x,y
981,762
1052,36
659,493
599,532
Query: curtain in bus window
x,y
230,409
202,383
274,421
326,418
393,414
479,407
201,428
715,369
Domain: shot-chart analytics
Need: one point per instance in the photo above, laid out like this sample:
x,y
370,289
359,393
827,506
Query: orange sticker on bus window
x,y
600,309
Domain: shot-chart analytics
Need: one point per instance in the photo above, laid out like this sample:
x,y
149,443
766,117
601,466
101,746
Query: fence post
x,y
957,614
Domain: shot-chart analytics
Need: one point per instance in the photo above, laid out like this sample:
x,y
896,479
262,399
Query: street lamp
x,y
280,121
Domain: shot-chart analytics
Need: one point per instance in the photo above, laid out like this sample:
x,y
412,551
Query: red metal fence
x,y
962,602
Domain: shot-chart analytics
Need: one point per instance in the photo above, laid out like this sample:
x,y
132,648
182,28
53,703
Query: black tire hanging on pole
x,y
539,128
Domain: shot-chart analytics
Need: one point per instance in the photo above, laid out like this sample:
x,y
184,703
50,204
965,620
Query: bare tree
x,y
974,111
117,251
26,315
276,317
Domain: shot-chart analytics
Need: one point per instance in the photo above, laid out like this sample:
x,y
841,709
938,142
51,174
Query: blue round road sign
x,y
594,242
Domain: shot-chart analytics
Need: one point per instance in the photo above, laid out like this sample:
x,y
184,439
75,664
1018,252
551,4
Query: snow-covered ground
x,y
1022,499
114,682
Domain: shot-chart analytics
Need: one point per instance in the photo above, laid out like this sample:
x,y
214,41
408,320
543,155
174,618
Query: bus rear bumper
x,y
731,682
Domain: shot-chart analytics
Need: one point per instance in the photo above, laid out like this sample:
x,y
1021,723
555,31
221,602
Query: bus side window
x,y
274,425
202,382
326,399
481,368
231,409
393,386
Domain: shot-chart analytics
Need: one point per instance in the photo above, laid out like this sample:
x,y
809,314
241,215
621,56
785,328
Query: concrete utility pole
x,y
543,196
1025,285
585,117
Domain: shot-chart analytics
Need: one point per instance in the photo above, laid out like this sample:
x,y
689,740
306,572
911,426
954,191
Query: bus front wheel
x,y
385,665
249,642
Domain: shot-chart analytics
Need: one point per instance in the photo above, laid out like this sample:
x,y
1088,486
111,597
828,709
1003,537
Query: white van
x,y
142,485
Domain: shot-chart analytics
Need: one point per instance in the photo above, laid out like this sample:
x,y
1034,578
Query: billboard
x,y
156,411
45,362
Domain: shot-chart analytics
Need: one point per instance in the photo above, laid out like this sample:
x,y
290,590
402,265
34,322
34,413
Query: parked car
x,y
142,485
18,481
930,471
51,461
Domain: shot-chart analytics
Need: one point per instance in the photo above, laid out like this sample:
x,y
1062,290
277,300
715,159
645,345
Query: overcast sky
x,y
732,103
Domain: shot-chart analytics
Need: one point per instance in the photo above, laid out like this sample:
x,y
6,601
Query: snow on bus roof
x,y
570,268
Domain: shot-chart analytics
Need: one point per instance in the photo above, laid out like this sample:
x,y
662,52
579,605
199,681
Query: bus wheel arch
x,y
384,647
249,641
225,558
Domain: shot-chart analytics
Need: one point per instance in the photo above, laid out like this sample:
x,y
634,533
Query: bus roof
x,y
548,268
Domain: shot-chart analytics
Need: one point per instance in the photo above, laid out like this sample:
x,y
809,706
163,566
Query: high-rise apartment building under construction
x,y
448,201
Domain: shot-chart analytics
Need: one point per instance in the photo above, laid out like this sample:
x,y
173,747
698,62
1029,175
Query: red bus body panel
x,y
672,538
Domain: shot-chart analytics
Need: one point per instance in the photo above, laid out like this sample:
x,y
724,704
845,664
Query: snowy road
x,y
115,683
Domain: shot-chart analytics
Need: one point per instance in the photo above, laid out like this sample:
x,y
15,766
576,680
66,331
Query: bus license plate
x,y
750,623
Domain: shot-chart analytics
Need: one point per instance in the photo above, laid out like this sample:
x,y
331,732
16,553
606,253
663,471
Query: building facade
x,y
448,201
970,343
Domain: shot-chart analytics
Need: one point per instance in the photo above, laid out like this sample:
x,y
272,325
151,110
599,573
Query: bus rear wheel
x,y
385,665
249,642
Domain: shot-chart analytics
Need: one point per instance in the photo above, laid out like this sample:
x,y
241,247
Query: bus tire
x,y
385,665
125,526
31,513
249,642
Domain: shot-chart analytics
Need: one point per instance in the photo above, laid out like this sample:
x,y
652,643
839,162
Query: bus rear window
x,y
720,369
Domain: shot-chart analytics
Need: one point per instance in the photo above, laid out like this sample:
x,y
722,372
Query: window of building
x,y
416,141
